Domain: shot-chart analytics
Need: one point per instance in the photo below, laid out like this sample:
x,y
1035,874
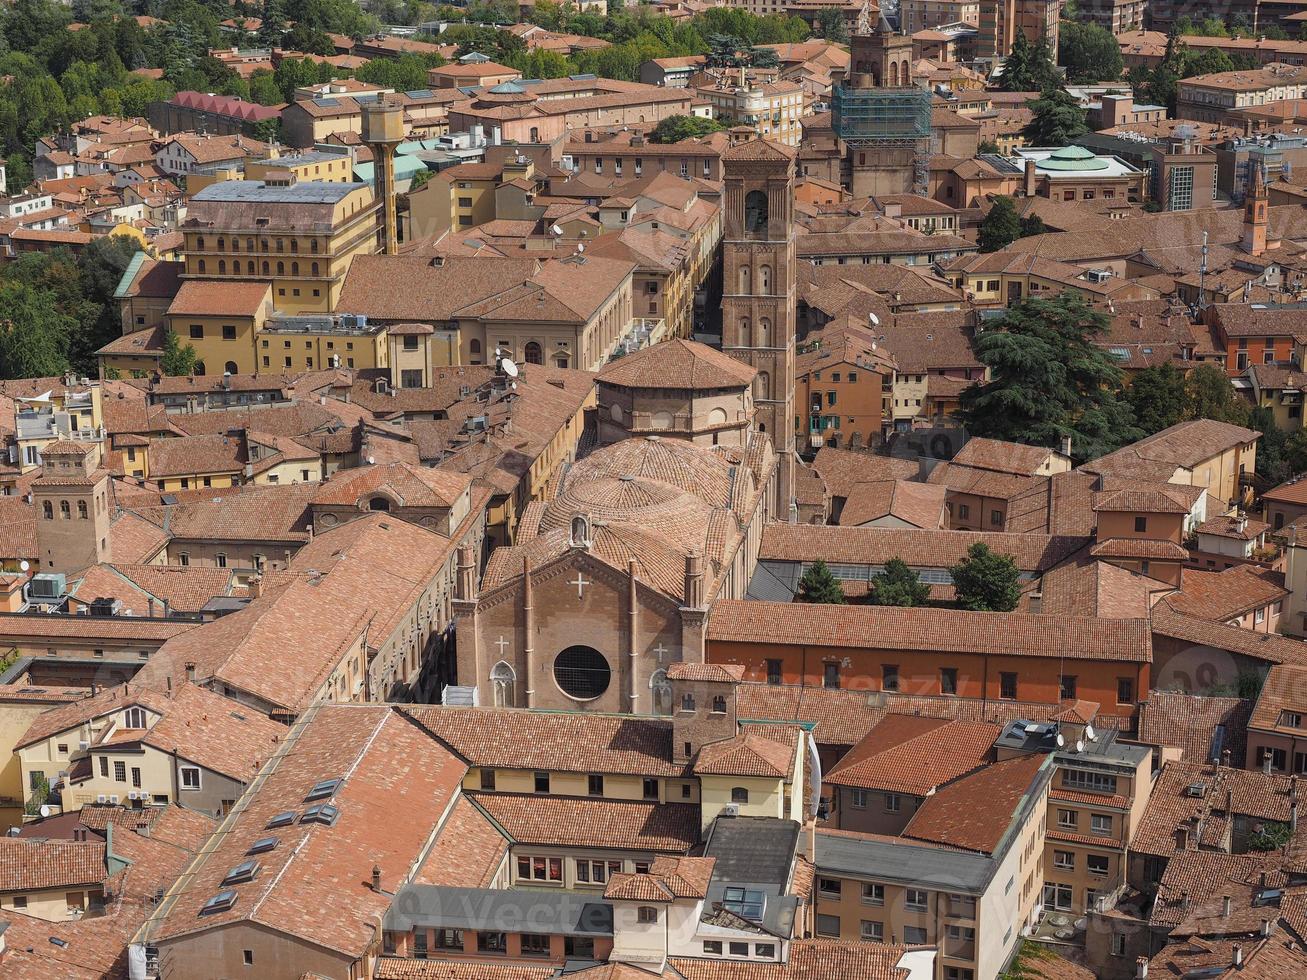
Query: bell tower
x,y
758,290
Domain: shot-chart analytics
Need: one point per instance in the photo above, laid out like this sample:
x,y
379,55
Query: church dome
x,y
679,518
1072,158
693,469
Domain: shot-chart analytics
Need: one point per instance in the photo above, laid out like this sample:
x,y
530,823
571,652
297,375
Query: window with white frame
x,y
873,894
914,900
188,777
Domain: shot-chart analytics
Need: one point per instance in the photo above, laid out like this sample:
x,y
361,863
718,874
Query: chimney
x,y
1227,906
1225,758
190,672
1266,763
1141,968
256,586
1238,956
1030,178
467,572
1066,445
1181,838
376,878
1266,927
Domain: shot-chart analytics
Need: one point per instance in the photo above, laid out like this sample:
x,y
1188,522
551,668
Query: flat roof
x,y
904,860
307,192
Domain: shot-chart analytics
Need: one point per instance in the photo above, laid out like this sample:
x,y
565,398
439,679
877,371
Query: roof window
x,y
220,902
245,871
322,790
282,819
262,845
323,813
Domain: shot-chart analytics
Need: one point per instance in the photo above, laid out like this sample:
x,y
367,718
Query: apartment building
x,y
963,883
1117,16
301,238
844,384
137,747
770,108
1214,98
1275,728
630,154
1000,20
987,477
921,15
1099,790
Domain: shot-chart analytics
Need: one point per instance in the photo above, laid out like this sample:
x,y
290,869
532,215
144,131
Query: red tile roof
x,y
949,816
561,821
903,754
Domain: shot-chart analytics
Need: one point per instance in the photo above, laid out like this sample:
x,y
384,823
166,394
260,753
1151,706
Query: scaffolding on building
x,y
885,118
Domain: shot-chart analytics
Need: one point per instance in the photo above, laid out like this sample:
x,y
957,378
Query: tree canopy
x,y
1029,67
1057,119
1088,52
898,585
818,585
1048,380
1001,227
986,581
673,129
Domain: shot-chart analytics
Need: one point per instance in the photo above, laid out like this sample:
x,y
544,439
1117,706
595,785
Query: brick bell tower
x,y
758,291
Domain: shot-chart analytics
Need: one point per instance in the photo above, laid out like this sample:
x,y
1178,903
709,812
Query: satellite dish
x,y
24,565
508,367
875,320
580,247
1060,740
1080,746
46,810
1089,732
556,230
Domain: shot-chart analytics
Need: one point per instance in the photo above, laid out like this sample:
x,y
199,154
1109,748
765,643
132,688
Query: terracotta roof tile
x,y
30,865
677,363
745,755
1201,727
468,852
940,630
901,754
560,821
1227,594
948,818
921,548
1145,548
717,673
810,959
1283,690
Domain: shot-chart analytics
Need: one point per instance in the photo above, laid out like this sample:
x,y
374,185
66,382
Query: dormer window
x,y
134,718
580,532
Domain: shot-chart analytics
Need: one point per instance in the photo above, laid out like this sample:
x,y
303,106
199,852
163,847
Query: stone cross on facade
x,y
580,584
502,644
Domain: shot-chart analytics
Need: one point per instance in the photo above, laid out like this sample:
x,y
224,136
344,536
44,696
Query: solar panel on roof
x,y
588,77
420,93
326,103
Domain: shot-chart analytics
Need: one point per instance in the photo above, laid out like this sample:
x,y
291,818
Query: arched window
x,y
378,503
755,212
744,280
719,704
201,265
199,369
65,511
294,268
661,420
739,794
764,280
647,914
199,242
47,510
764,332
762,386
580,532
222,267
235,244
474,346
313,246
249,267
230,368
294,244
265,267
535,134
662,692
222,243
281,268
314,268
717,416
82,513
502,679
893,74
534,355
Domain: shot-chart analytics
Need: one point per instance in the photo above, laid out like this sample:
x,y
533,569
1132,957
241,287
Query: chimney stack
x,y
376,878
190,672
1227,905
1141,968
1238,956
1266,927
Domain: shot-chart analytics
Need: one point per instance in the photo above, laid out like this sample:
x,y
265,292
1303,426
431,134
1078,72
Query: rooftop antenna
x,y
1202,274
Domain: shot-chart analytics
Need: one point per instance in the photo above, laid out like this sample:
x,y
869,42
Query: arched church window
x,y
662,692
764,280
534,355
502,680
755,212
745,286
378,503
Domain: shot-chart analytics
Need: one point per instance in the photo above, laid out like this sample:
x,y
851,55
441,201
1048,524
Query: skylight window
x,y
744,902
323,813
282,819
220,902
262,845
322,790
245,871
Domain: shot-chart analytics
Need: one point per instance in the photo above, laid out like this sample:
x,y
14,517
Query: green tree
x,y
1029,67
1273,836
419,180
1272,448
264,89
988,146
1212,397
1056,121
1032,224
831,26
1089,53
274,24
898,585
33,333
177,360
1159,397
1049,379
764,58
986,581
819,585
1000,227
673,129
40,793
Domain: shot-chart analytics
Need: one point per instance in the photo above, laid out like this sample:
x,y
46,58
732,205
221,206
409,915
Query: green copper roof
x,y
1072,158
